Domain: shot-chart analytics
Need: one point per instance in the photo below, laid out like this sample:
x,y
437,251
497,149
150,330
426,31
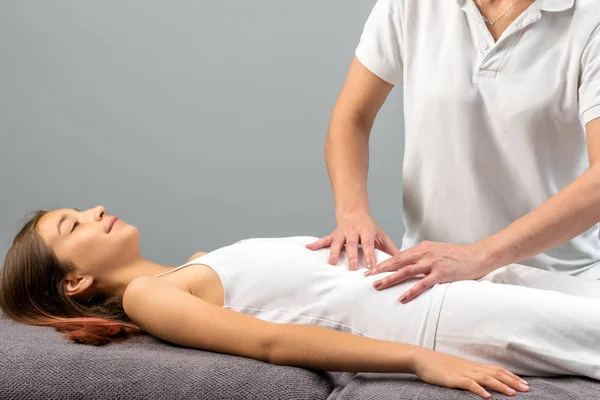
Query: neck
x,y
491,4
115,283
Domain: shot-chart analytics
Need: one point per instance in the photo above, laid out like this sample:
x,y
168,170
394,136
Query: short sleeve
x,y
380,46
589,88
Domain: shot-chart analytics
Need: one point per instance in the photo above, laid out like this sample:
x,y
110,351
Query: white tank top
x,y
281,281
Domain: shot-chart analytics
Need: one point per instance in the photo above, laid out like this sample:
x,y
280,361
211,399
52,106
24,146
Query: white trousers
x,y
530,321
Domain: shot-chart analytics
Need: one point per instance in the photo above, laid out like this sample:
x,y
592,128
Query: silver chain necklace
x,y
489,21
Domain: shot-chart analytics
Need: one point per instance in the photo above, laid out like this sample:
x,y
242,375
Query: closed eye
x,y
75,225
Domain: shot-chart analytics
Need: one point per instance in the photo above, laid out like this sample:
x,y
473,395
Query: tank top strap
x,y
194,261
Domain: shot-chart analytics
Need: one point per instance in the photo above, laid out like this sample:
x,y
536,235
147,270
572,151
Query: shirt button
x,y
484,46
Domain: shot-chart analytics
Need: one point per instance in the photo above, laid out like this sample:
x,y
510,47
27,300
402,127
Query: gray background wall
x,y
202,123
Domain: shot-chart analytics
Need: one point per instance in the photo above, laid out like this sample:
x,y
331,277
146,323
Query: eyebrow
x,y
62,219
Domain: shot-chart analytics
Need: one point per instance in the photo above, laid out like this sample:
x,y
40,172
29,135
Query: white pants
x,y
530,321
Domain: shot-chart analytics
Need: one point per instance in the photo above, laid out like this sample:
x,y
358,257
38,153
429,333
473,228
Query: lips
x,y
113,221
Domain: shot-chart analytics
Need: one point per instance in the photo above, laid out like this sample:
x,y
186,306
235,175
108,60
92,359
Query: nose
x,y
99,213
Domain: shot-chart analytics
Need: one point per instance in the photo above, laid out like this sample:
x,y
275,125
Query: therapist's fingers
x,y
352,250
424,284
386,245
367,243
336,248
321,243
354,230
399,260
404,274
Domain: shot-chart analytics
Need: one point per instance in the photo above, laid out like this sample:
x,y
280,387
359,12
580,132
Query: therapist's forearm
x,y
567,214
347,158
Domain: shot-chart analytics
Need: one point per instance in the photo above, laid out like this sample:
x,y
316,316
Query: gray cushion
x,y
37,363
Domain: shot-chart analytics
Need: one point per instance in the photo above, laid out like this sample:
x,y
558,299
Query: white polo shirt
x,y
493,129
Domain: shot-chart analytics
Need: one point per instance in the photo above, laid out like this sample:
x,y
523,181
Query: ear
x,y
76,285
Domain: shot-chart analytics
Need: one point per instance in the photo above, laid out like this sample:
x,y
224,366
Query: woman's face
x,y
91,240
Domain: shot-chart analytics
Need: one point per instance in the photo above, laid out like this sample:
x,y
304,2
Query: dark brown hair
x,y
32,292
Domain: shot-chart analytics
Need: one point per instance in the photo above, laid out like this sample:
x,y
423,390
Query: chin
x,y
128,231
129,240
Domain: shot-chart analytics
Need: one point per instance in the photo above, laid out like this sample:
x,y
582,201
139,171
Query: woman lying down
x,y
276,301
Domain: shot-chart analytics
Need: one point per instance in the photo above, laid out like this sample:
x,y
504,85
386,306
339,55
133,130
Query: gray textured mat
x,y
36,363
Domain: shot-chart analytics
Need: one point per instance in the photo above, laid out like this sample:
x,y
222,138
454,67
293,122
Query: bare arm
x,y
347,157
176,316
568,213
347,145
173,315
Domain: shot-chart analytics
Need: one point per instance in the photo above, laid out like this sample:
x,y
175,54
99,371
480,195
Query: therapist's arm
x,y
347,158
568,213
347,144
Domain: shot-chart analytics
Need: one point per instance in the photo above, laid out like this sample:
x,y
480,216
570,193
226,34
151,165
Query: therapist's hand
x,y
352,230
439,262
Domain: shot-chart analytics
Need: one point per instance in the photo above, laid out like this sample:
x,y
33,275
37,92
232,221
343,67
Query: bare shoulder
x,y
135,291
196,255
172,314
140,289
146,293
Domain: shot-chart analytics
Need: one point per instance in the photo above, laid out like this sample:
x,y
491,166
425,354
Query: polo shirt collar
x,y
555,5
545,5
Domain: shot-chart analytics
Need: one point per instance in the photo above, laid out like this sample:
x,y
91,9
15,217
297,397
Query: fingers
x,y
423,285
321,243
368,245
507,372
331,242
388,246
355,228
361,230
508,378
351,241
497,379
397,261
335,243
336,248
405,273
472,386
352,250
494,384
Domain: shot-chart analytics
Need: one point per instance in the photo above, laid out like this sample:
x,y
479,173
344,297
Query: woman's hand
x,y
439,262
456,373
352,230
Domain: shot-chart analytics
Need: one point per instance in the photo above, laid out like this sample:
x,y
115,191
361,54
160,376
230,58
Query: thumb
x,y
321,243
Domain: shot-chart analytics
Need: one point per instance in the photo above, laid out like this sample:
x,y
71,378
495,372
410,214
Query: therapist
x,y
502,133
